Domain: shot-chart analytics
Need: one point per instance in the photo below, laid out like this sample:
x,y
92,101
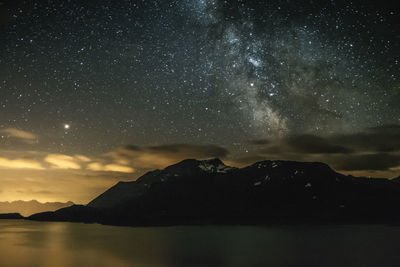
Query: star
x,y
196,71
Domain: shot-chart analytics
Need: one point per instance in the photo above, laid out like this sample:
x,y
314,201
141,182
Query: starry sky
x,y
92,92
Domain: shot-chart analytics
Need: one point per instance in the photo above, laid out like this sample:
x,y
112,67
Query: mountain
x,y
27,208
11,216
397,179
209,192
123,191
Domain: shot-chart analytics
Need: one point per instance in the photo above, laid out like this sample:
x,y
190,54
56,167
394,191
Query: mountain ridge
x,y
208,191
125,190
30,207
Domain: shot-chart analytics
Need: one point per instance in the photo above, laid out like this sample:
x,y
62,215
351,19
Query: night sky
x,y
93,92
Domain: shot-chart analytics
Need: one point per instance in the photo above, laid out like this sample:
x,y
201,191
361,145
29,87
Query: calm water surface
x,y
43,244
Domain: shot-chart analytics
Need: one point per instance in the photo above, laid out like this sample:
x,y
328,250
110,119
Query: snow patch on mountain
x,y
211,168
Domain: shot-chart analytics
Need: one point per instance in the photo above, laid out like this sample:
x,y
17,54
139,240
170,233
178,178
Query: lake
x,y
54,244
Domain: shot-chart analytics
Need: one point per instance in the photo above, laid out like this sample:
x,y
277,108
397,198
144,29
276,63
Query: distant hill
x,y
397,179
11,216
27,208
209,192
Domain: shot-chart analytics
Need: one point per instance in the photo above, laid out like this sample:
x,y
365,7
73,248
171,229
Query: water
x,y
53,244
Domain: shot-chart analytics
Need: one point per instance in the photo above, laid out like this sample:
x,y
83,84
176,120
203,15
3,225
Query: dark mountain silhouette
x,y
397,179
27,208
187,169
208,192
11,216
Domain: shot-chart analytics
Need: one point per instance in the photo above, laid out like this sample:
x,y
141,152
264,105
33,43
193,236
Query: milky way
x,y
305,75
196,71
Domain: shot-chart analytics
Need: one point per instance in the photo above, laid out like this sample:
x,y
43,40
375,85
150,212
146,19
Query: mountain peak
x,y
214,165
214,161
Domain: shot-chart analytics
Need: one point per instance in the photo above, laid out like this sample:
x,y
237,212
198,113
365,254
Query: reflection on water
x,y
42,244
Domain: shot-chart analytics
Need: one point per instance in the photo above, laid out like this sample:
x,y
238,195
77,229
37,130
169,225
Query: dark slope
x,y
204,192
74,213
11,216
27,208
186,169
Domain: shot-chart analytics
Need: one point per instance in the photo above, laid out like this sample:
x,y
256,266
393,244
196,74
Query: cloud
x,y
396,168
81,162
161,156
302,144
60,161
95,166
314,144
20,164
373,149
260,142
42,160
384,138
380,161
21,135
82,158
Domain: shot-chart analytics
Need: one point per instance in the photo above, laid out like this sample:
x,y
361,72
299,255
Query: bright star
x,y
67,126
